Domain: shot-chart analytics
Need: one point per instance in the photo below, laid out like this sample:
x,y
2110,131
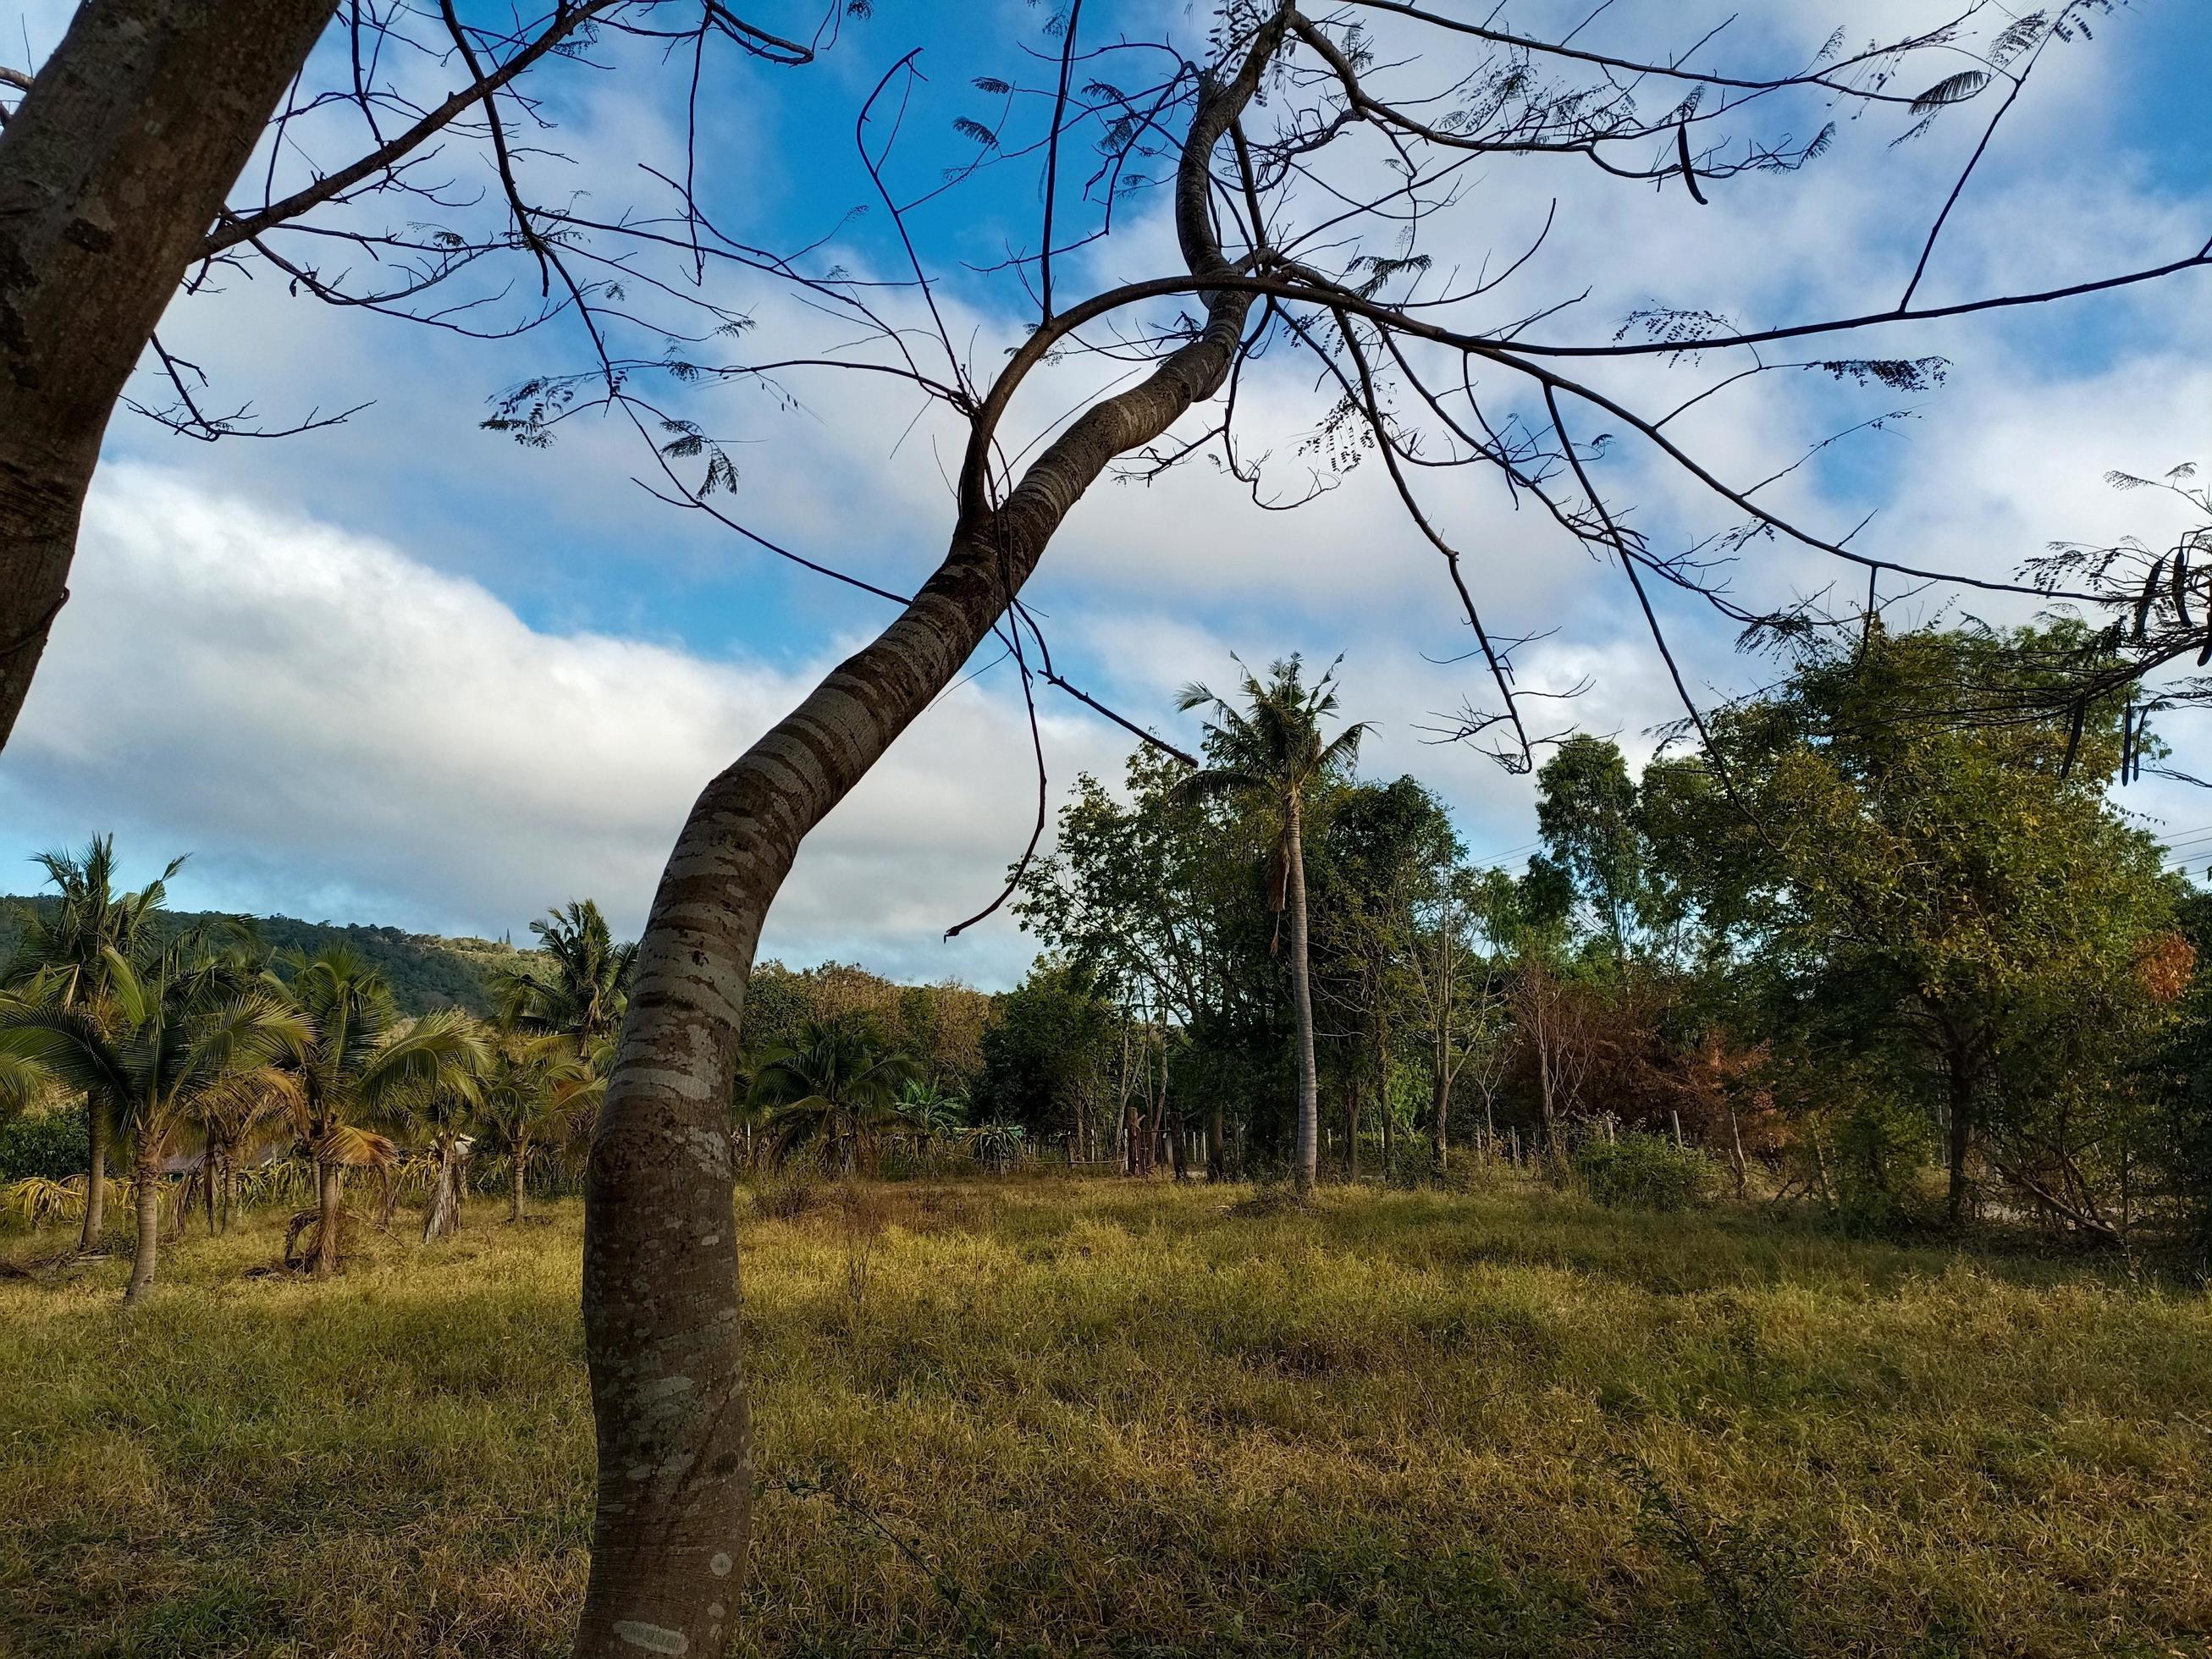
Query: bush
x,y
787,1196
52,1144
1645,1171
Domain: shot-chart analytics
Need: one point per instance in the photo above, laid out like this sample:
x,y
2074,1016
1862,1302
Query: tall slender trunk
x,y
95,1179
1351,1127
1217,1143
1308,1138
146,1190
207,1186
1382,1086
110,174
1439,1111
661,1290
1961,1105
515,1190
329,1202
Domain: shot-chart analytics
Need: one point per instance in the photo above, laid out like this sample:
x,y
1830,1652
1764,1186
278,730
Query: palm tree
x,y
584,988
159,1046
357,1057
1271,751
930,1110
91,921
531,1093
835,1084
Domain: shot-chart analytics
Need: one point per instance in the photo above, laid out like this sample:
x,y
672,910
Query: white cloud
x,y
323,715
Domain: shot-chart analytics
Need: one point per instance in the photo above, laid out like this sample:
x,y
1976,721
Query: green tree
x,y
159,1044
581,990
530,1094
1045,1056
836,1086
1272,749
1385,847
1155,895
72,943
356,1058
1931,877
1586,813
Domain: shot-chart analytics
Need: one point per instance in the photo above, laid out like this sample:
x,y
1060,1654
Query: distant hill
x,y
426,970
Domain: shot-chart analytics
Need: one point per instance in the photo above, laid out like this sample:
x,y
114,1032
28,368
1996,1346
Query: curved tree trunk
x,y
146,1191
95,1180
110,174
660,1269
1307,1157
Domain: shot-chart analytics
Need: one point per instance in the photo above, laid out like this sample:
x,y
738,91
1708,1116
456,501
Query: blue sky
x,y
406,671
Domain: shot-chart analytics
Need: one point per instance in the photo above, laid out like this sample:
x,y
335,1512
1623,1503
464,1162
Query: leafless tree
x,y
1278,251
1305,157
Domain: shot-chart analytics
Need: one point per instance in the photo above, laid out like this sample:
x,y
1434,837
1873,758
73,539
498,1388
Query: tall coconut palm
x,y
70,949
583,988
1272,751
357,1058
162,1043
835,1084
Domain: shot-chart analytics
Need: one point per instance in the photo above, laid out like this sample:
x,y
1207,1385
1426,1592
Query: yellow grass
x,y
1088,1417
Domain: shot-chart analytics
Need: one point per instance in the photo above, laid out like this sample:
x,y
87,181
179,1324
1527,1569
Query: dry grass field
x,y
1060,1417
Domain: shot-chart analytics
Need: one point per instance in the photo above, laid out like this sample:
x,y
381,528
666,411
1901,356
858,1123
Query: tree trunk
x,y
1217,1143
1351,1129
1308,1138
95,1179
329,1201
146,1189
1439,1112
1961,1135
110,174
442,1220
660,1293
515,1190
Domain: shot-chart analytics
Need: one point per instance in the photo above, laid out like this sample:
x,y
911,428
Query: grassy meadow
x,y
1055,1416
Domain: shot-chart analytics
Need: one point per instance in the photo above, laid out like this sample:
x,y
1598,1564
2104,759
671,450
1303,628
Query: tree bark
x,y
110,174
329,1201
1961,1126
1307,1153
443,1218
146,1191
1217,1143
1439,1112
660,1293
514,1192
95,1179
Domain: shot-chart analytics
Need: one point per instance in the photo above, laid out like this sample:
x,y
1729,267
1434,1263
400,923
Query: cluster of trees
x,y
220,1067
211,1058
1885,944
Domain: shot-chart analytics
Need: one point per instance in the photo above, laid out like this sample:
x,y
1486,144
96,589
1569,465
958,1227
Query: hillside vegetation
x,y
424,970
1061,1416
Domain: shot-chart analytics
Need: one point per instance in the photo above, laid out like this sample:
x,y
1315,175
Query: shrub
x,y
1646,1171
786,1197
54,1146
